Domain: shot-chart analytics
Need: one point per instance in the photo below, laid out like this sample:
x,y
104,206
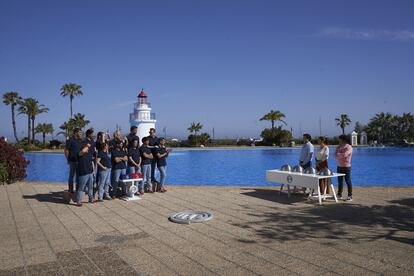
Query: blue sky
x,y
221,63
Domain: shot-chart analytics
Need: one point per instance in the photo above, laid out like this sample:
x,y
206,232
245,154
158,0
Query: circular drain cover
x,y
187,217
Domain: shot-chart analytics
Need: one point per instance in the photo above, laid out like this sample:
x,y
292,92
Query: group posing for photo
x,y
99,166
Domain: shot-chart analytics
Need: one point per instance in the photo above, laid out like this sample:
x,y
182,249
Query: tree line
x,y
32,108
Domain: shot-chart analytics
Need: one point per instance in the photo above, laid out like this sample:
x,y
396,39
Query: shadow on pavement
x,y
351,222
54,197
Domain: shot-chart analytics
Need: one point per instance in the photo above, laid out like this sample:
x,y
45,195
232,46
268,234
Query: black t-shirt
x,y
135,154
73,145
153,141
131,137
105,158
92,148
85,164
118,153
143,149
163,160
112,144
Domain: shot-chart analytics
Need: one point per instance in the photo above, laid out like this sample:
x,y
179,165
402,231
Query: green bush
x,y
277,136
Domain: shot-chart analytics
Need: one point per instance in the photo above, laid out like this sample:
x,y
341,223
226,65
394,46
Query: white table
x,y
133,197
310,181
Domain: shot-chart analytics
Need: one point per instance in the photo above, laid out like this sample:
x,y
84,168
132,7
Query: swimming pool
x,y
370,166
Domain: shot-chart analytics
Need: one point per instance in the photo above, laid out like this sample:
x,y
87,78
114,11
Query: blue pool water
x,y
370,166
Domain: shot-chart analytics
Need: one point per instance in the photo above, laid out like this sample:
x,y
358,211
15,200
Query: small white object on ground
x,y
187,217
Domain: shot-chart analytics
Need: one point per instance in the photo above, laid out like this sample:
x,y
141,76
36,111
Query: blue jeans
x,y
163,174
115,180
133,169
104,182
84,181
153,166
73,172
146,176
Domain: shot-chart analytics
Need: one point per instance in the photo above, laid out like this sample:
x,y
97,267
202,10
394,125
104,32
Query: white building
x,y
142,116
354,138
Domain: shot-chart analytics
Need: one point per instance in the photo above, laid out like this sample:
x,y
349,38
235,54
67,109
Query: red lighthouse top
x,y
142,94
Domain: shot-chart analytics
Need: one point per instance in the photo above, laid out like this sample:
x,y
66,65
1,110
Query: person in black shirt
x,y
119,159
72,148
134,159
162,154
92,149
132,136
104,165
153,145
85,171
146,160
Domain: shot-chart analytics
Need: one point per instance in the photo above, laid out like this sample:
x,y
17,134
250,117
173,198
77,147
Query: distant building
x,y
142,116
363,139
354,138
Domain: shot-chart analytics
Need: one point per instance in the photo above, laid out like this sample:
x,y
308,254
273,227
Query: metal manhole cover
x,y
188,217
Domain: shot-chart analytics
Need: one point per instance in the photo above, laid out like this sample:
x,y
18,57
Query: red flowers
x,y
14,163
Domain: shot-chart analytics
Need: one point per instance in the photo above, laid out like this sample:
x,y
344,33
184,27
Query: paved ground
x,y
254,231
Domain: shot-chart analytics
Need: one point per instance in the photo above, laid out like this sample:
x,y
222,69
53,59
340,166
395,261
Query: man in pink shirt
x,y
343,154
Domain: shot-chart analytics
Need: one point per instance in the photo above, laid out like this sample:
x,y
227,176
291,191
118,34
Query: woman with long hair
x,y
322,156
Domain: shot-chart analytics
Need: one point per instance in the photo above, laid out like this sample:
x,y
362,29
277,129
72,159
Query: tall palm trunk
x,y
33,129
71,108
28,129
343,131
14,124
44,139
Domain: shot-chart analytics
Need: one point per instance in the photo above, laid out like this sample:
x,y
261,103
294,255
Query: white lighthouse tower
x,y
142,116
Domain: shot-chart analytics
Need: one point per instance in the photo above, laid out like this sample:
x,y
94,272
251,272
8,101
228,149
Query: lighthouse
x,y
142,116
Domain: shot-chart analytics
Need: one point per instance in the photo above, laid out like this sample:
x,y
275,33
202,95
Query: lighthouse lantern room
x,y
142,116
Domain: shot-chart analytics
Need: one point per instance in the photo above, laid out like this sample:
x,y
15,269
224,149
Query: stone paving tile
x,y
13,272
254,231
144,263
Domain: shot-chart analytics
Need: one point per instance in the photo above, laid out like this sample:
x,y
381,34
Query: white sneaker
x,y
349,198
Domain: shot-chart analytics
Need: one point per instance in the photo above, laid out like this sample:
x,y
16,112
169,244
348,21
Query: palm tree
x,y
72,90
31,108
79,120
195,128
12,98
44,129
343,121
38,109
25,108
274,116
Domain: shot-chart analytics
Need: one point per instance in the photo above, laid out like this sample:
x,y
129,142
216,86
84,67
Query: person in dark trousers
x,y
153,145
132,136
72,148
85,171
146,160
343,154
162,154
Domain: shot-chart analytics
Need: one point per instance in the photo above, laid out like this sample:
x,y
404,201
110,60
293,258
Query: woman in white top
x,y
322,156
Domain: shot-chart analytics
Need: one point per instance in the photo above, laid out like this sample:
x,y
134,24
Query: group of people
x,y
99,165
343,155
